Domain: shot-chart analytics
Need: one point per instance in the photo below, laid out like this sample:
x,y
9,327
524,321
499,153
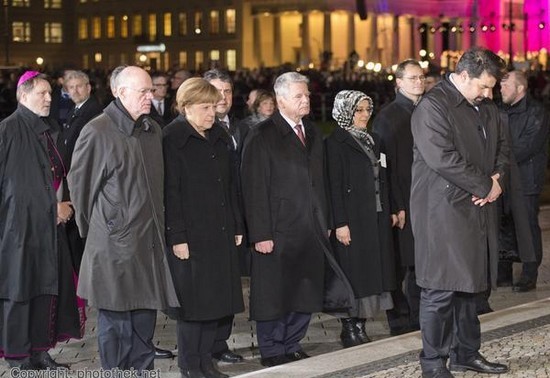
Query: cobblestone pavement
x,y
525,349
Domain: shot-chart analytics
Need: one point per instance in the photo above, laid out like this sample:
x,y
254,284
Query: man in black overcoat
x,y
460,160
393,124
85,108
283,183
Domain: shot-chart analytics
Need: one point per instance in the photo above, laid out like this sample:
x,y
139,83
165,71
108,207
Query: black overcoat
x,y
369,260
393,124
202,210
457,148
28,210
285,200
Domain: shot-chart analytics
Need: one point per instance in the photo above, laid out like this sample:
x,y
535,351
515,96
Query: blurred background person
x,y
262,108
362,238
432,78
528,124
393,125
161,104
204,225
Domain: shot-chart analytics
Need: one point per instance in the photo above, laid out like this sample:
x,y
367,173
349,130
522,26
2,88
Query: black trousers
x,y
223,331
450,328
530,269
125,339
195,343
27,326
283,335
406,299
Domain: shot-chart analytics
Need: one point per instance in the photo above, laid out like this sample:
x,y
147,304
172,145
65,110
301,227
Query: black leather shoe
x,y
440,372
228,356
21,364
275,360
42,361
481,365
209,370
298,355
163,353
192,373
524,286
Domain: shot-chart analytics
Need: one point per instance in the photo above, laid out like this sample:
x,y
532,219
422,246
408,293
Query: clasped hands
x,y
495,192
64,212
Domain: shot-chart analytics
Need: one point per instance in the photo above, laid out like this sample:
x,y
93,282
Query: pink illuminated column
x,y
537,27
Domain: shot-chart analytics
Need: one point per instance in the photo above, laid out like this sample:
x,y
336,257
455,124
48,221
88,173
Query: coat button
x,y
219,179
223,204
213,156
223,228
349,190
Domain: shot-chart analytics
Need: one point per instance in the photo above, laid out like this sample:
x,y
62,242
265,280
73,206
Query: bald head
x,y
135,90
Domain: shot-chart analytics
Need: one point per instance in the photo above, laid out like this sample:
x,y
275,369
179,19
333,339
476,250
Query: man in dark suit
x,y
528,123
393,124
85,108
460,159
161,104
223,83
284,193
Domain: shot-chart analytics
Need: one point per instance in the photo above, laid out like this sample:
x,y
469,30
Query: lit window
x,y
230,21
214,22
182,23
123,58
167,24
137,25
21,3
124,27
197,25
231,60
21,31
110,26
215,55
98,57
85,60
53,32
96,27
152,26
199,60
54,4
183,59
82,28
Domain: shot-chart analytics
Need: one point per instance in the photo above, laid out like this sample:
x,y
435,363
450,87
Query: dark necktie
x,y
300,134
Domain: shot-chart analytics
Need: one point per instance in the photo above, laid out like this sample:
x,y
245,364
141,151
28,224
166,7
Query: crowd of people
x,y
159,196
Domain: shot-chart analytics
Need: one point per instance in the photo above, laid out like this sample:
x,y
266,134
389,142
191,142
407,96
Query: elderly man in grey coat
x,y
116,183
460,160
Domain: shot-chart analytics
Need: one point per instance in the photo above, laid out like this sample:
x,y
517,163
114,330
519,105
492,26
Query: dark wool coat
x,y
202,211
284,192
369,260
28,210
116,183
456,242
393,124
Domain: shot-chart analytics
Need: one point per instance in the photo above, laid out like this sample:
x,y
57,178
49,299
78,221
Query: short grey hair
x,y
282,83
70,75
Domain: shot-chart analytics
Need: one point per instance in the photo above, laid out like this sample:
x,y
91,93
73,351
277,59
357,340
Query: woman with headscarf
x,y
362,238
203,225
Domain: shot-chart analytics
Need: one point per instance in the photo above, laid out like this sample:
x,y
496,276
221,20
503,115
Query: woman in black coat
x,y
203,225
358,190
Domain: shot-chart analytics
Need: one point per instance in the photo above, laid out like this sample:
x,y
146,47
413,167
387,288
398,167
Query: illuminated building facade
x,y
198,34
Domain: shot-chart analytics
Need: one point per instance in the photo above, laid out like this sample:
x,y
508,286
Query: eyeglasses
x,y
415,78
143,91
160,84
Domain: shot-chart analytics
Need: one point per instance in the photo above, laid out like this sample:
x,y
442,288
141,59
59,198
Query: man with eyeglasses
x,y
161,104
393,125
116,183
